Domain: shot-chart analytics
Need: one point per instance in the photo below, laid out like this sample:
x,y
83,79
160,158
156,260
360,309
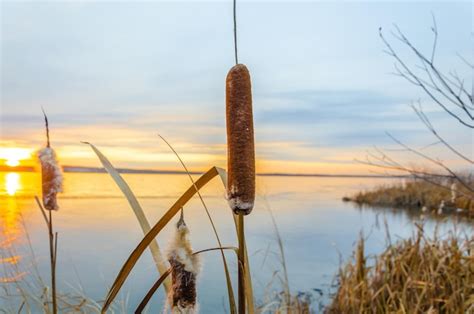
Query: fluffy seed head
x,y
240,141
184,269
51,176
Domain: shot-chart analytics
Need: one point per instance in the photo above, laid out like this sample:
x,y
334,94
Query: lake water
x,y
97,231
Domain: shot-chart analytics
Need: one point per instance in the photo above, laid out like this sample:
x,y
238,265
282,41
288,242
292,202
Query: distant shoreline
x,y
74,169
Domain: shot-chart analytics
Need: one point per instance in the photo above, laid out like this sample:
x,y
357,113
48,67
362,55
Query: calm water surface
x,y
97,231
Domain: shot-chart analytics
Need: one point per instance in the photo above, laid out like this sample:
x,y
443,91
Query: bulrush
x,y
240,141
52,181
184,269
51,176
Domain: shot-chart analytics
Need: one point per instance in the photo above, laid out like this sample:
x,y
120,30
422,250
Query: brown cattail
x,y
184,270
51,176
240,141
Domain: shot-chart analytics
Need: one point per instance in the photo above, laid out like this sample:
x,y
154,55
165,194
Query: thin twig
x,y
47,127
422,116
235,32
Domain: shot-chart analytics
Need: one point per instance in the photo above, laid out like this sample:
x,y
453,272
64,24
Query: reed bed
x,y
416,275
438,196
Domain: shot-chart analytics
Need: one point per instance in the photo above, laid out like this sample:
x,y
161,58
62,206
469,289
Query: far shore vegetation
x,y
439,196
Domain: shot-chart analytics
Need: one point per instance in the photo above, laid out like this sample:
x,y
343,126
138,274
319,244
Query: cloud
x,y
118,74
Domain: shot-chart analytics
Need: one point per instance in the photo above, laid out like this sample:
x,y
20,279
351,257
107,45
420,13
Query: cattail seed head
x,y
184,269
454,190
240,141
51,176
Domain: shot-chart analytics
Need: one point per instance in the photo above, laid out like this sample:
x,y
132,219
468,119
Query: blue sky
x,y
118,73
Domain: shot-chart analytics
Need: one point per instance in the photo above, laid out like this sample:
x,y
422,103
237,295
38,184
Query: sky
x,y
117,74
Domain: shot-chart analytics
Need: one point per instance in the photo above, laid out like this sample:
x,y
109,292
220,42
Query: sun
x,y
13,156
12,162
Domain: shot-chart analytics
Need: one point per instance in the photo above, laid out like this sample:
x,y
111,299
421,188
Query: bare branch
x,y
465,61
419,112
434,161
446,89
435,40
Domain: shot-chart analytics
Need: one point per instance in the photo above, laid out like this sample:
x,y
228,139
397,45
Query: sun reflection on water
x,y
10,228
12,183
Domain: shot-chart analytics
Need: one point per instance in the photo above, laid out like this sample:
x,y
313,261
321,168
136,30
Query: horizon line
x,y
81,169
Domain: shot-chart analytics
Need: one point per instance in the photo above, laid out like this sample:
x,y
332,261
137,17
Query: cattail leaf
x,y
154,231
137,209
152,291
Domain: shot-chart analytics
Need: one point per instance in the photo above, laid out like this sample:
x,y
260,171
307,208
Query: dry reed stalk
x,y
184,269
52,180
240,141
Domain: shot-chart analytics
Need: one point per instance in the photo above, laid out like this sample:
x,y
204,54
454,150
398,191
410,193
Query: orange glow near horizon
x,y
13,156
197,159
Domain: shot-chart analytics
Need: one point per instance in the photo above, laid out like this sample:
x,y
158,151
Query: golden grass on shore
x,y
427,196
415,275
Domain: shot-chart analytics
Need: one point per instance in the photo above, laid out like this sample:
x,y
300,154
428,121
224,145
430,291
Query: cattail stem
x,y
53,244
241,270
51,184
235,32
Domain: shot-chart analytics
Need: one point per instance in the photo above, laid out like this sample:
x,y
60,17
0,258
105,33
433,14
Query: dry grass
x,y
24,290
416,275
300,303
420,194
